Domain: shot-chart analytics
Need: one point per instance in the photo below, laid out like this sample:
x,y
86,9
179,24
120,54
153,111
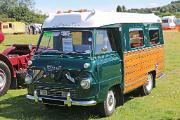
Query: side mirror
x,y
1,37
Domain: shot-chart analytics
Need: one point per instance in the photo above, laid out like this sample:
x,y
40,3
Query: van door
x,y
109,61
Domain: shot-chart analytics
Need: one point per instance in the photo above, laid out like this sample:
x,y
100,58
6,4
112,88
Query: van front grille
x,y
56,92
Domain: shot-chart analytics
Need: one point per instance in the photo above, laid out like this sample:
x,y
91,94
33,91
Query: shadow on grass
x,y
132,95
21,108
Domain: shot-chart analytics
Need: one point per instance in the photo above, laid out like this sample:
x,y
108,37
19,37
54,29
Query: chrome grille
x,y
56,92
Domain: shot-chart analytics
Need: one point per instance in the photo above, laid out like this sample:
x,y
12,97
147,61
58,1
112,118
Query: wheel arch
x,y
119,94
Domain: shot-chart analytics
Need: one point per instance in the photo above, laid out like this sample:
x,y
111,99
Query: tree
x,y
9,4
171,9
118,9
20,10
123,8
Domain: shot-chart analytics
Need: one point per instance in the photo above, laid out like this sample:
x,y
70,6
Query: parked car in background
x,y
94,58
178,24
169,22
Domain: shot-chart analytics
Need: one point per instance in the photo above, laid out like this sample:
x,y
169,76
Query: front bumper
x,y
68,102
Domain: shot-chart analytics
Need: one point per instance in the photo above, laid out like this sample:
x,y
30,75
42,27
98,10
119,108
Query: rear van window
x,y
154,36
136,37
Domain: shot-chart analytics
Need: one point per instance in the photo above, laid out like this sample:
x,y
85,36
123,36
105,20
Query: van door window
x,y
136,37
102,42
114,36
154,36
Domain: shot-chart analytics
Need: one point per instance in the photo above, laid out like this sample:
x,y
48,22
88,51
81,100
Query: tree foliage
x,y
121,8
171,9
20,10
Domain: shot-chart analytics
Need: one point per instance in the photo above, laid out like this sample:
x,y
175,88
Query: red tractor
x,y
13,65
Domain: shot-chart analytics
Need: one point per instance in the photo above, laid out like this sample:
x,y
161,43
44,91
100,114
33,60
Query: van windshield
x,y
66,42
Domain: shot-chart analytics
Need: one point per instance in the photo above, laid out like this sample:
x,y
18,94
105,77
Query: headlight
x,y
29,62
28,79
86,65
85,84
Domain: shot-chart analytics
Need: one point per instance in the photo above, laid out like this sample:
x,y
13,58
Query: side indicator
x,y
35,96
68,102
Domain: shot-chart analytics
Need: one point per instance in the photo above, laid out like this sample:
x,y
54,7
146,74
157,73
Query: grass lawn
x,y
18,39
162,104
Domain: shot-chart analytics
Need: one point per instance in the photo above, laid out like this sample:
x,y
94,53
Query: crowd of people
x,y
34,29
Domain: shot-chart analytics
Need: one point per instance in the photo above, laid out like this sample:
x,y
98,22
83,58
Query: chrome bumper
x,y
67,102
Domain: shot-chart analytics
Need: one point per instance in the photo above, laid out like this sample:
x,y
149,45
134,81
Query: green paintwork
x,y
106,70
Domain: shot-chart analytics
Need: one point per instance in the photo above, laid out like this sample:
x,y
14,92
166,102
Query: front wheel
x,y
5,78
148,86
108,106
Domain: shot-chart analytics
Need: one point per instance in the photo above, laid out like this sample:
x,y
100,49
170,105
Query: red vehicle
x,y
13,65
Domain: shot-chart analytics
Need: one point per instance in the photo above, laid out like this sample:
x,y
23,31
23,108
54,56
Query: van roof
x,y
96,19
169,17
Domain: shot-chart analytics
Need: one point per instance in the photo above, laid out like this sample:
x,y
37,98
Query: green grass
x,y
162,104
18,39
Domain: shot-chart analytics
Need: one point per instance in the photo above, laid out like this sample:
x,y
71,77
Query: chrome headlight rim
x,y
85,83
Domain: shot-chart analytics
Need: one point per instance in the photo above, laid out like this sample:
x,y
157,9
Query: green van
x,y
93,58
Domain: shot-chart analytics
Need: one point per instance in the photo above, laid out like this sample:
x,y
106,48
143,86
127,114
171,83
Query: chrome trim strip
x,y
76,103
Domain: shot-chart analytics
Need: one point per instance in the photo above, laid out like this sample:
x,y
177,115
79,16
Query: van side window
x,y
102,42
136,37
154,36
165,21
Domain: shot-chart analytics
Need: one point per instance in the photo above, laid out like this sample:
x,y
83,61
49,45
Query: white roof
x,y
168,17
96,19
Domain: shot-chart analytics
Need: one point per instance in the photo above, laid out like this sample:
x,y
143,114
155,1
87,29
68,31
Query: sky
x,y
52,6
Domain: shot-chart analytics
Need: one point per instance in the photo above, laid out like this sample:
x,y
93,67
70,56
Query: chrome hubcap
x,y
2,79
110,100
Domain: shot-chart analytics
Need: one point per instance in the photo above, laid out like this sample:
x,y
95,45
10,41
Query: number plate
x,y
43,92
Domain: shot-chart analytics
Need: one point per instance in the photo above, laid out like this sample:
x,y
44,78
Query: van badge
x,y
51,68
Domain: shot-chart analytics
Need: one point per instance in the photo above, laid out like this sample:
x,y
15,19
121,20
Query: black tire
x,y
5,78
147,88
108,106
